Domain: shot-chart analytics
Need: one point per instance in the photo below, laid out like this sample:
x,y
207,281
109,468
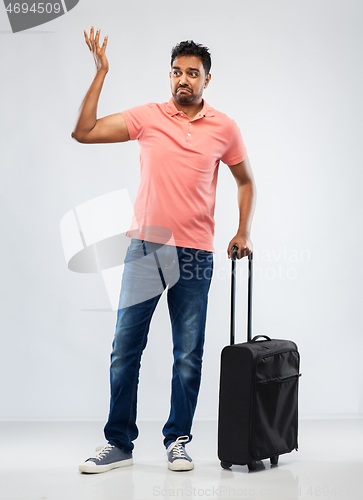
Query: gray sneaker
x,y
178,458
110,457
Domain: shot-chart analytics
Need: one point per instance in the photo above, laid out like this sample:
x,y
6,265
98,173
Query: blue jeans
x,y
149,269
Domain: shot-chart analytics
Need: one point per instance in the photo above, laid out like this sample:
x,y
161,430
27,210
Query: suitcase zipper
x,y
281,351
277,380
253,402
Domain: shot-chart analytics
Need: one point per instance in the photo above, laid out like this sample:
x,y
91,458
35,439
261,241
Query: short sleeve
x,y
136,119
236,150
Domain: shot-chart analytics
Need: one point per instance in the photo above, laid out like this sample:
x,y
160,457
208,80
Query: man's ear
x,y
207,80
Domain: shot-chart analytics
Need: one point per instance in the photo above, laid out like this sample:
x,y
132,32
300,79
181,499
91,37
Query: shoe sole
x,y
180,465
96,469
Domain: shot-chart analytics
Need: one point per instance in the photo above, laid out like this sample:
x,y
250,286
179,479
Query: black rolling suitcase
x,y
258,395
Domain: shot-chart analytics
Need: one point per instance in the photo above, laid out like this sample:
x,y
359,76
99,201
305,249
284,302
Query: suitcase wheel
x,y
252,465
226,465
274,460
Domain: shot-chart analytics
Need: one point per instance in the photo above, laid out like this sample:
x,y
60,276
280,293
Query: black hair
x,y
190,48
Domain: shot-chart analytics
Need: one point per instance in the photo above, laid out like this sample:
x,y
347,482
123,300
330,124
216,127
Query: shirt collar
x,y
172,110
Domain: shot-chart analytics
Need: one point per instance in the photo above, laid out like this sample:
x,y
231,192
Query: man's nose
x,y
183,80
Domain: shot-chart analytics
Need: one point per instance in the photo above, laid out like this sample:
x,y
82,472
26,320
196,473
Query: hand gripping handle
x,y
234,252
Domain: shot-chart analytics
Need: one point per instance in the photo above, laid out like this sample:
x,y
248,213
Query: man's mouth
x,y
181,89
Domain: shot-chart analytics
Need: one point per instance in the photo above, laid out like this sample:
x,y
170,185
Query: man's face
x,y
188,80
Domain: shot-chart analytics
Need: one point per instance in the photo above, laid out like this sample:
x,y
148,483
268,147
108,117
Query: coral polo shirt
x,y
179,160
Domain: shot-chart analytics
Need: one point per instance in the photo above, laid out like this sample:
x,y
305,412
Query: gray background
x,y
290,74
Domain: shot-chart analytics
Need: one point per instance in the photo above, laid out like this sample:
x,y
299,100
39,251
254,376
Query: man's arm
x,y
246,202
89,129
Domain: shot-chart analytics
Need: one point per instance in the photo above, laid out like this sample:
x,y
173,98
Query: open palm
x,y
99,53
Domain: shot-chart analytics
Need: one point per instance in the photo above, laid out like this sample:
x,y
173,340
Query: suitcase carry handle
x,y
234,252
260,337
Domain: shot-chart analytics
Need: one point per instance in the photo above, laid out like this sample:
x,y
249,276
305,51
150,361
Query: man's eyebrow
x,y
188,69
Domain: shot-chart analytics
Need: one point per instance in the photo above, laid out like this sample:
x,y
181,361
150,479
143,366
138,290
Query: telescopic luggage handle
x,y
234,252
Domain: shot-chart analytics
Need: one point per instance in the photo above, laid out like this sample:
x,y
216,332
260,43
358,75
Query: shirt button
x,y
188,134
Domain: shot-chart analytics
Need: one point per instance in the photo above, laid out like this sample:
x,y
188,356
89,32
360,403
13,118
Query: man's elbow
x,y
252,187
78,137
247,183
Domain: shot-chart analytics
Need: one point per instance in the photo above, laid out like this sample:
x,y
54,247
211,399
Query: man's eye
x,y
176,73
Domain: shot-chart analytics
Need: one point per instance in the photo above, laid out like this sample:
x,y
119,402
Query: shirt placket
x,y
189,126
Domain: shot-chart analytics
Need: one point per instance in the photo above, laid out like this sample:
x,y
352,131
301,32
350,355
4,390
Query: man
x,y
182,142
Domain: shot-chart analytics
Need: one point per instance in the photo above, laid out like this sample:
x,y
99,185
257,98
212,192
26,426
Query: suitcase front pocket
x,y
275,419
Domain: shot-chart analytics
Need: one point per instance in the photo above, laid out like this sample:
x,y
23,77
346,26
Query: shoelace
x,y
178,451
104,451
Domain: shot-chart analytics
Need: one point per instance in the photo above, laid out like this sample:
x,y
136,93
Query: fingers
x,y
243,252
240,252
104,45
243,249
90,40
87,40
93,41
97,38
234,252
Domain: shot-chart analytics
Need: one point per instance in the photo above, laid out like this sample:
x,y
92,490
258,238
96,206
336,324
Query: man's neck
x,y
191,110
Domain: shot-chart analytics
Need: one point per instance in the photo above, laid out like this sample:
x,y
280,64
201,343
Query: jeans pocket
x,y
135,251
136,245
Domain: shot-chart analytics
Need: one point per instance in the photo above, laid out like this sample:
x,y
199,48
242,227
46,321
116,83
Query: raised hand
x,y
99,53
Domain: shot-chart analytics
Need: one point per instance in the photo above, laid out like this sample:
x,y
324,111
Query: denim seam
x,y
176,372
134,391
